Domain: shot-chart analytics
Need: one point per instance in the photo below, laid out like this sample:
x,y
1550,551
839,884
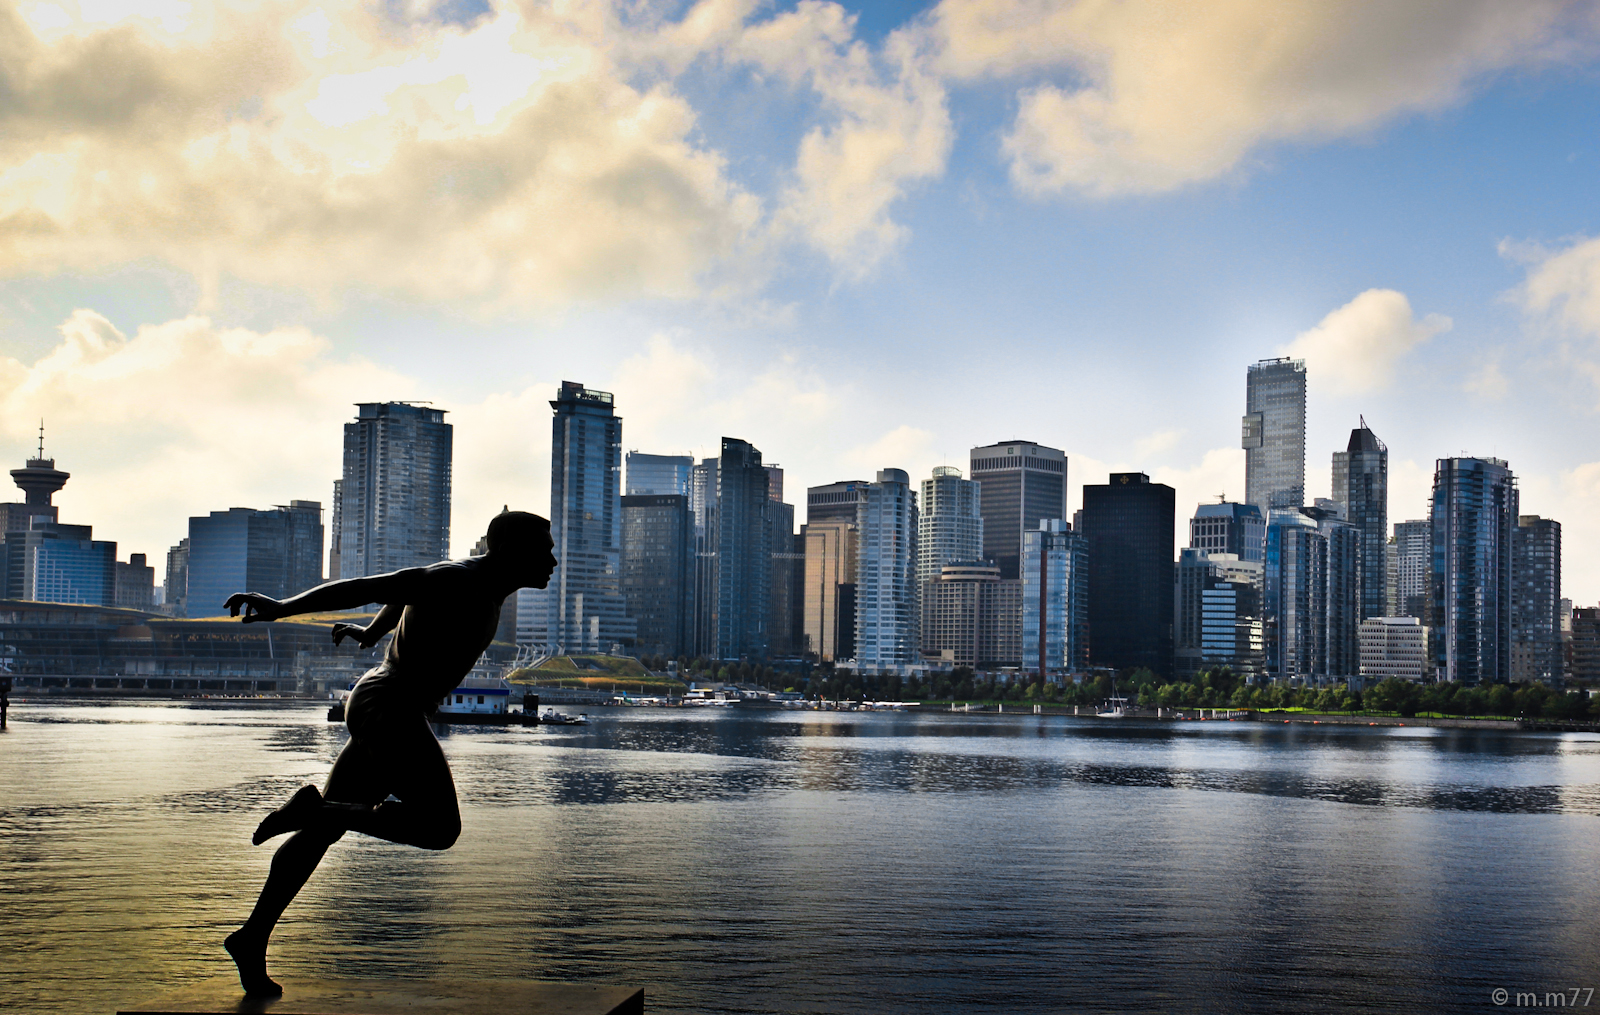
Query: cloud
x,y
1145,97
1357,347
505,163
1564,285
184,418
1488,381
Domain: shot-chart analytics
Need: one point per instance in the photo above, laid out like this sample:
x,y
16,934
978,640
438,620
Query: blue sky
x,y
858,238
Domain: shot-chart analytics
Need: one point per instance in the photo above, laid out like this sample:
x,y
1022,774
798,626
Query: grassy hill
x,y
599,673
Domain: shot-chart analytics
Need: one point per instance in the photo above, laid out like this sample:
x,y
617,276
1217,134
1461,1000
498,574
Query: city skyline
x,y
858,238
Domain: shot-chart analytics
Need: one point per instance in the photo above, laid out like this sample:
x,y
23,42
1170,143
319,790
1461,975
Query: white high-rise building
x,y
392,505
950,528
1273,435
887,611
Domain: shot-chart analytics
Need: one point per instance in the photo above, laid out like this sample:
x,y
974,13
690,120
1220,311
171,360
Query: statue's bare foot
x,y
250,955
299,812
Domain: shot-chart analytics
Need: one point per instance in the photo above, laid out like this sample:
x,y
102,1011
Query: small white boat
x,y
550,717
1116,708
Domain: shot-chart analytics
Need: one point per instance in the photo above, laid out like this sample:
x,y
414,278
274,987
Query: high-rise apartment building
x,y
829,599
136,583
583,610
392,505
1129,525
743,551
1311,578
703,509
785,623
1536,600
1217,621
950,525
887,614
276,552
175,590
972,617
1020,484
1413,553
658,474
1055,600
1240,529
832,542
1585,644
1361,485
1474,514
658,570
1273,434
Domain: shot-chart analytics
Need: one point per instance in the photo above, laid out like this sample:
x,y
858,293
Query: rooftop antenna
x,y
1222,498
1363,420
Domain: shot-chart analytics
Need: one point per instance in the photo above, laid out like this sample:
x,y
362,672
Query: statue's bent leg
x,y
425,813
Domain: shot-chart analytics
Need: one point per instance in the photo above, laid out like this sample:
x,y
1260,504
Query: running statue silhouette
x,y
443,616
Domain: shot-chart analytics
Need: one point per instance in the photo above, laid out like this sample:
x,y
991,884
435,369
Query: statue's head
x,y
522,540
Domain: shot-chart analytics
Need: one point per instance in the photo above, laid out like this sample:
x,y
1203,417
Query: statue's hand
x,y
361,636
256,607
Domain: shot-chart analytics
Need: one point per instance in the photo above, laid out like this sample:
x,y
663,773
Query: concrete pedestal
x,y
398,997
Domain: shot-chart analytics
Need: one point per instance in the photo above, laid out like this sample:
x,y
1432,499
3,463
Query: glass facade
x,y
1361,485
887,614
1129,525
276,552
658,474
1536,600
657,569
1474,514
1273,434
743,554
1055,600
1020,484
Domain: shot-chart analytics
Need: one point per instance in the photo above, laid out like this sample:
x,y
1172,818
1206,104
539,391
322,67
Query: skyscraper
x,y
832,542
1311,576
1229,528
785,623
392,505
703,509
950,526
1361,484
744,553
1273,434
1413,550
277,552
1217,621
1020,484
583,610
1128,523
658,474
972,617
1536,600
1055,600
887,614
1474,514
658,570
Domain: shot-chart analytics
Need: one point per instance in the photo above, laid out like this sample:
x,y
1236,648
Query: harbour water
x,y
754,861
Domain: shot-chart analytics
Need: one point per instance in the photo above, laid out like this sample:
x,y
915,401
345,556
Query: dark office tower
x,y
277,553
583,610
743,601
658,474
1536,600
1413,551
393,505
1361,484
175,591
1020,484
136,583
1474,515
1129,523
1239,529
658,571
785,635
1273,434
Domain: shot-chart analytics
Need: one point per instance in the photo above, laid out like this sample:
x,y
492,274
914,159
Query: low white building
x,y
1393,647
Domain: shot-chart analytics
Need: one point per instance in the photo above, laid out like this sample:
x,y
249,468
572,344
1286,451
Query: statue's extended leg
x,y
400,758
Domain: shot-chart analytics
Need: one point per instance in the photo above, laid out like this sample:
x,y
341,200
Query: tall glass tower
x,y
583,610
392,507
1361,484
887,614
1273,434
1474,515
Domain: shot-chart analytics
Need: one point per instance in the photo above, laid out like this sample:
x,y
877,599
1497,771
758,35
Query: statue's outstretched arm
x,y
396,587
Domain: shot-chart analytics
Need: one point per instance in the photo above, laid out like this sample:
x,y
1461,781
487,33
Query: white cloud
x,y
505,163
1489,381
1357,347
1147,96
1563,285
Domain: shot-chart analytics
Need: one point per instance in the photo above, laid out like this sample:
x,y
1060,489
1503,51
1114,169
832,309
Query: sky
x,y
859,237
